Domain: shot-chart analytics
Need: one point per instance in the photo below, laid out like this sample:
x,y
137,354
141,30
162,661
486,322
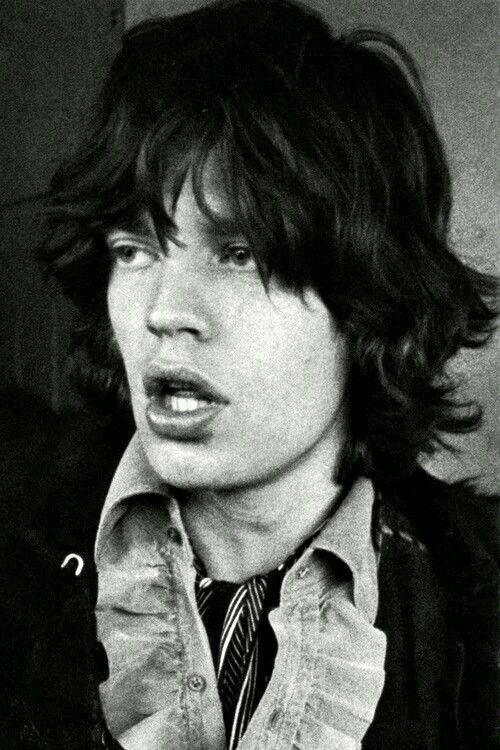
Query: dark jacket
x,y
438,587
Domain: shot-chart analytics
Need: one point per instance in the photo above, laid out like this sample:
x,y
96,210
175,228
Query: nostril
x,y
161,322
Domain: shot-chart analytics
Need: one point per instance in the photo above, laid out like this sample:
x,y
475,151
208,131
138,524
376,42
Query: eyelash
x,y
228,252
125,252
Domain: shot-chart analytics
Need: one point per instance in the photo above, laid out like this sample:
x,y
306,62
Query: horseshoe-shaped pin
x,y
79,562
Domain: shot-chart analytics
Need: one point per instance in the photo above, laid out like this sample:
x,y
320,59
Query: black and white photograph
x,y
249,375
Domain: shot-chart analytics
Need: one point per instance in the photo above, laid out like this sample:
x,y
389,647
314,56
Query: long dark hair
x,y
334,170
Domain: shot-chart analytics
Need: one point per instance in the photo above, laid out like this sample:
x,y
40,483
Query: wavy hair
x,y
334,170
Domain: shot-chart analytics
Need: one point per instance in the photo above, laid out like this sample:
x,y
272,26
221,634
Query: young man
x,y
255,237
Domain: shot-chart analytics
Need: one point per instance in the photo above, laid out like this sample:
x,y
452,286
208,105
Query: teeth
x,y
178,403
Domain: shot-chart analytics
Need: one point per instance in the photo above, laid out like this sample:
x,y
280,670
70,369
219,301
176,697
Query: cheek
x,y
126,317
317,374
297,358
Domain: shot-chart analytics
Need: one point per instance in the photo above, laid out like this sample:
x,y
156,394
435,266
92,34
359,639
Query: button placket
x,y
303,619
272,726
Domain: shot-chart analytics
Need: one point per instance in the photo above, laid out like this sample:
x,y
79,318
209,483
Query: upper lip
x,y
158,376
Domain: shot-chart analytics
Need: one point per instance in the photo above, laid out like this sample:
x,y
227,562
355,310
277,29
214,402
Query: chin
x,y
190,465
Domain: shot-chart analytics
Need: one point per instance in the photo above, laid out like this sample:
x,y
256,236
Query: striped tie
x,y
238,649
243,645
245,650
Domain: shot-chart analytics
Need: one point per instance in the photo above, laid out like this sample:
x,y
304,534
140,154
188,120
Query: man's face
x,y
231,385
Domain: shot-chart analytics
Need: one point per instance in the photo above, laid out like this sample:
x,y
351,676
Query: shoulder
x,y
445,518
46,614
440,583
457,528
71,455
53,485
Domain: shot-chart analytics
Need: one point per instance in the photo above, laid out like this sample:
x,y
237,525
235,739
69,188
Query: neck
x,y
243,532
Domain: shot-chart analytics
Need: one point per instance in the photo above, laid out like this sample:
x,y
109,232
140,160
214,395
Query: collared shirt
x,y
242,641
236,618
162,690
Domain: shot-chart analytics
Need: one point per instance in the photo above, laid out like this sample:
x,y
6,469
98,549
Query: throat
x,y
236,548
237,561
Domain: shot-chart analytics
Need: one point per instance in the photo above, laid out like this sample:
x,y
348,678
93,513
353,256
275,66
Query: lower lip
x,y
179,425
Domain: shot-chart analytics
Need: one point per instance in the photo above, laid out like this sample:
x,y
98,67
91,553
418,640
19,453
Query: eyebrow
x,y
212,227
135,224
217,225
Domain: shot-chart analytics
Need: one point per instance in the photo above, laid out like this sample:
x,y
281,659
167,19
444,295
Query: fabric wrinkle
x,y
163,687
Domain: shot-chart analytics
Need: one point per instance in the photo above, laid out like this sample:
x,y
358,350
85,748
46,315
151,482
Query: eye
x,y
131,254
237,254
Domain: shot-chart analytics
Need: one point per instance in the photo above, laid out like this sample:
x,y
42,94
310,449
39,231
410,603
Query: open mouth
x,y
178,397
181,403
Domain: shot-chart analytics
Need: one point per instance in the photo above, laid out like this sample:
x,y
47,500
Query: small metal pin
x,y
79,562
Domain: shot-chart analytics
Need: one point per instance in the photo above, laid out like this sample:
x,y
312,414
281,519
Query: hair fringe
x,y
332,166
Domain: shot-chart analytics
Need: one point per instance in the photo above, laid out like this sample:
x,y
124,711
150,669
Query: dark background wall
x,y
52,57
53,54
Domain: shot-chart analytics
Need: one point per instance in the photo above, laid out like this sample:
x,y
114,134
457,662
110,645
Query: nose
x,y
180,305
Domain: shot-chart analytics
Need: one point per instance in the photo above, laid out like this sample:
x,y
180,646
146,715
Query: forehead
x,y
206,204
203,204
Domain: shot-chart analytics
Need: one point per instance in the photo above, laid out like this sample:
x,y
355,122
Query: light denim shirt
x,y
162,690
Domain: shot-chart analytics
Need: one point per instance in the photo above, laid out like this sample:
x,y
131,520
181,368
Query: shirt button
x,y
196,682
302,572
174,535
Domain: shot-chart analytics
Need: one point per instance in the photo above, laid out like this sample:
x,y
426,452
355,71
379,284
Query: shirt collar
x,y
347,534
134,476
